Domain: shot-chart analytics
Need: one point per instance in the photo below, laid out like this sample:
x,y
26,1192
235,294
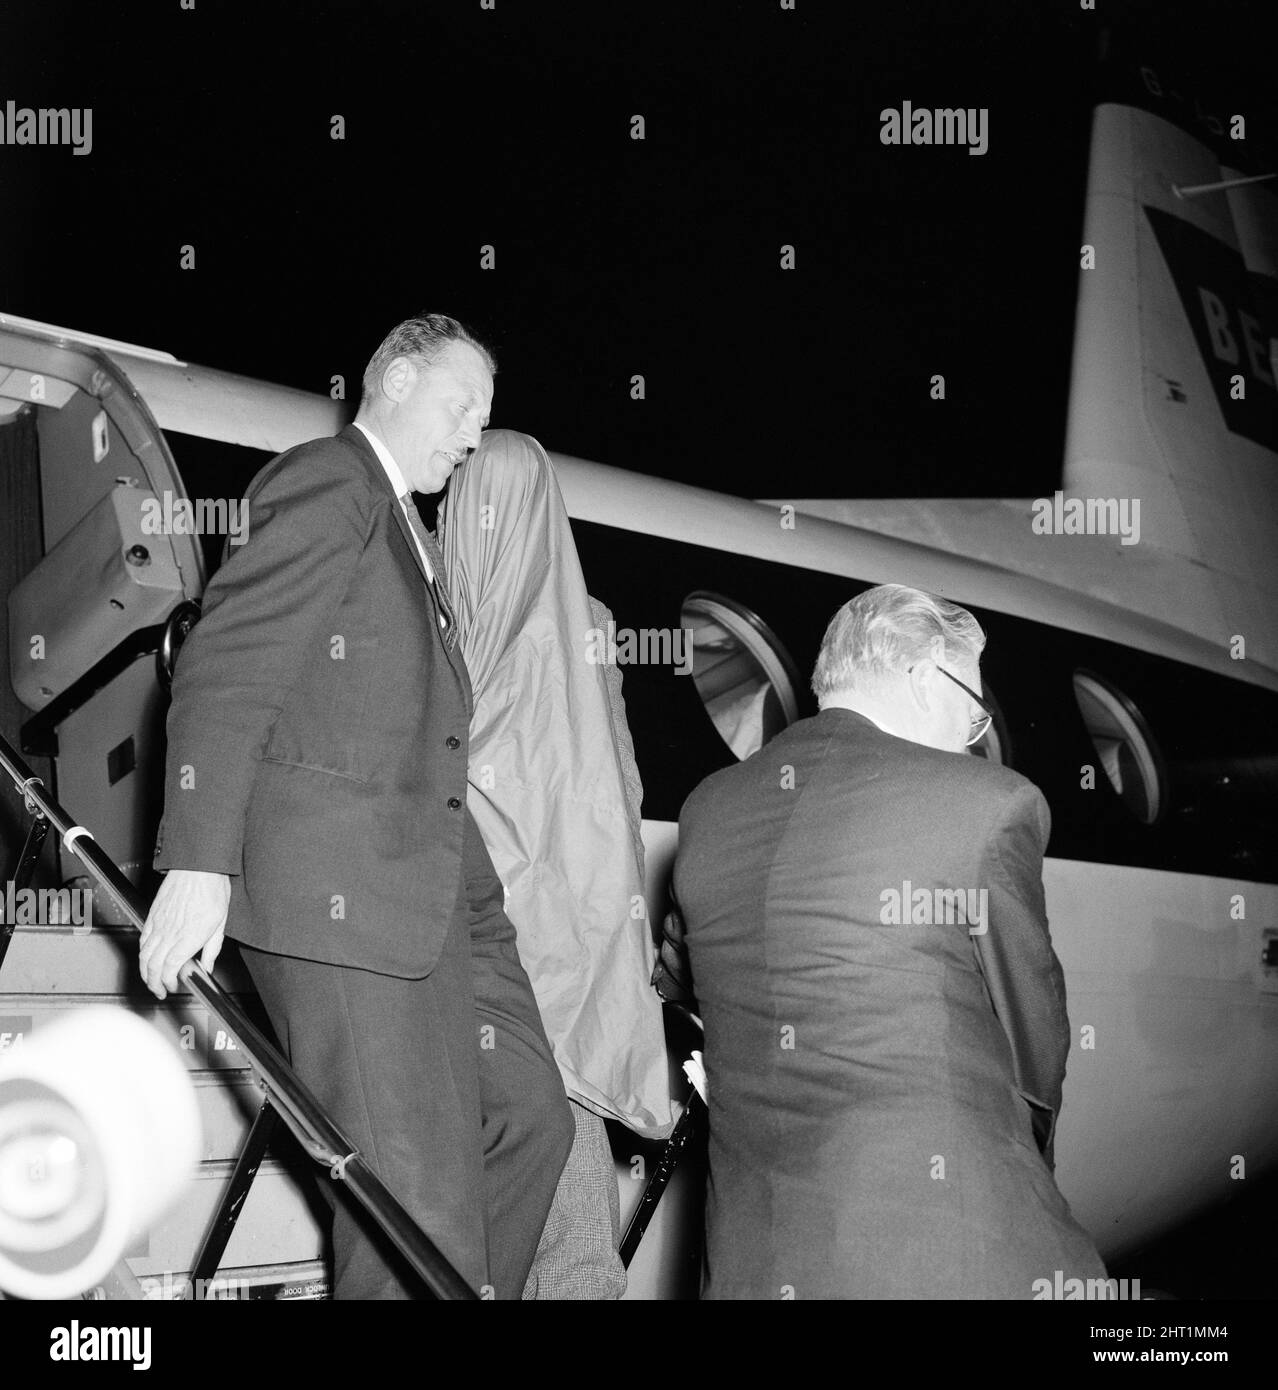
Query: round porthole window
x,y
1124,746
744,676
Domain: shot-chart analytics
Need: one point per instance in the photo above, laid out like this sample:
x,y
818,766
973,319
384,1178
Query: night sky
x,y
614,257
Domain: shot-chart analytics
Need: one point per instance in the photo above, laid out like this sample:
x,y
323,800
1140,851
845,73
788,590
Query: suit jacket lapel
x,y
410,541
377,475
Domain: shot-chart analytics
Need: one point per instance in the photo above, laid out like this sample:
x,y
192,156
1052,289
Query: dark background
x,y
616,257
613,256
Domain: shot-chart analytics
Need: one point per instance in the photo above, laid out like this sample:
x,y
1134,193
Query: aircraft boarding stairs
x,y
243,1084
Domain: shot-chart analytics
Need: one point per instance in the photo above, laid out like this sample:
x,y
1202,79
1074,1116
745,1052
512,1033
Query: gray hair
x,y
886,630
424,339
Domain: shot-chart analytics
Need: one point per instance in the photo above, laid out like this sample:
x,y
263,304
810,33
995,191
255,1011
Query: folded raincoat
x,y
547,786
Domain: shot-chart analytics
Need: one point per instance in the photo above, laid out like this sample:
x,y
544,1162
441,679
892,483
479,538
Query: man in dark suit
x,y
315,810
885,1027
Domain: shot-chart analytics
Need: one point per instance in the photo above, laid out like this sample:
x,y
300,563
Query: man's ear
x,y
921,679
399,378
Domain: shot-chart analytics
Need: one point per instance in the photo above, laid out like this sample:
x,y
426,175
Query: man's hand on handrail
x,y
188,915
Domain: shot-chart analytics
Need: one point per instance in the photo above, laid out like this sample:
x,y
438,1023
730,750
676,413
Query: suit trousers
x,y
446,1084
577,1255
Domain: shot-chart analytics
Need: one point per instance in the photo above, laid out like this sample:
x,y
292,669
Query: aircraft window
x,y
994,744
743,674
1123,743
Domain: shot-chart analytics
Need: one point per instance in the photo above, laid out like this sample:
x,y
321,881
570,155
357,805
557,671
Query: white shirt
x,y
391,469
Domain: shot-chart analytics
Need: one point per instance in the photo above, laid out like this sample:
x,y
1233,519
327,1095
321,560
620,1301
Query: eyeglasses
x,y
979,726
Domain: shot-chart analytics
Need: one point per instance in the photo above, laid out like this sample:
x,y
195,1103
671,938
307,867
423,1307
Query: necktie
x,y
448,619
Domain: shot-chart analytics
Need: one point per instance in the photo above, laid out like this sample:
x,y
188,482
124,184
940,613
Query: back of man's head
x,y
423,339
886,630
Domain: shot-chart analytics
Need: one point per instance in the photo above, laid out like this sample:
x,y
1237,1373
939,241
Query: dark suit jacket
x,y
845,1056
317,740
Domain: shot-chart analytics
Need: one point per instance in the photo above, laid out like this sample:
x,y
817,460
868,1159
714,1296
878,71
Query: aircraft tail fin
x,y
1174,389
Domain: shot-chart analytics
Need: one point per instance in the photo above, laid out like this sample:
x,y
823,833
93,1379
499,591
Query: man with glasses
x,y
885,1026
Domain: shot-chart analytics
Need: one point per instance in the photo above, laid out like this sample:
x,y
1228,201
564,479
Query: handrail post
x,y
222,1227
28,857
